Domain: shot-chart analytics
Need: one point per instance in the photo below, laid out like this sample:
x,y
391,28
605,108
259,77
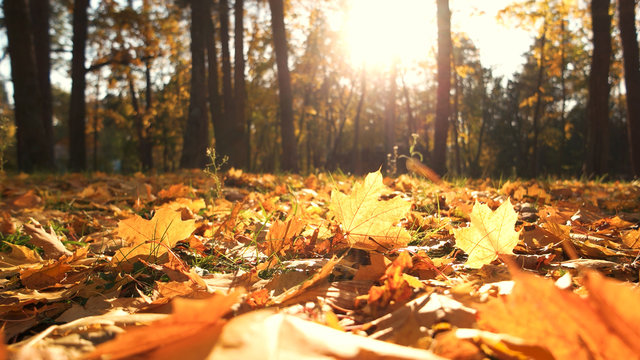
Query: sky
x,y
378,30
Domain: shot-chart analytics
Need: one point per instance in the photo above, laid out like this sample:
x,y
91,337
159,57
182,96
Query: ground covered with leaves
x,y
193,266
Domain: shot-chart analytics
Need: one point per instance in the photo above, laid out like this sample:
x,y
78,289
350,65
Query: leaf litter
x,y
109,266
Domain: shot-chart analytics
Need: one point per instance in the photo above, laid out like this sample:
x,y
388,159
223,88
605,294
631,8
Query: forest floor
x,y
326,266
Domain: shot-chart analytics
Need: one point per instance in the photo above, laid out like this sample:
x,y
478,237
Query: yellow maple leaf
x,y
369,223
491,233
152,237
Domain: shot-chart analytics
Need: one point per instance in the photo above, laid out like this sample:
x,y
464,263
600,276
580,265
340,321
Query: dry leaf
x,y
367,222
153,237
491,233
48,241
569,326
27,200
189,333
265,335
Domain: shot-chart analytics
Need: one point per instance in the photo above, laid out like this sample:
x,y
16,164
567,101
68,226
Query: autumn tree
x,y
598,105
77,106
196,134
444,87
289,150
33,139
629,37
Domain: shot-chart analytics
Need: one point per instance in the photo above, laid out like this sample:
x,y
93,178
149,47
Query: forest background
x,y
270,84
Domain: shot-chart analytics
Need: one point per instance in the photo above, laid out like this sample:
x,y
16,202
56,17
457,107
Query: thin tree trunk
x,y
215,103
227,87
357,151
96,107
538,107
146,141
77,107
563,68
629,37
444,87
32,151
40,14
289,151
390,117
598,104
454,121
196,135
241,142
411,125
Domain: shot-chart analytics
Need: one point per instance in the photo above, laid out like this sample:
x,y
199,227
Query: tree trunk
x,y
629,37
444,87
390,116
289,151
227,86
241,140
77,107
146,143
357,152
215,103
33,152
538,107
411,125
196,135
598,104
40,12
456,116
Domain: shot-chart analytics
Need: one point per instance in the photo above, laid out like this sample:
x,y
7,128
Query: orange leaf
x,y
189,333
569,326
153,237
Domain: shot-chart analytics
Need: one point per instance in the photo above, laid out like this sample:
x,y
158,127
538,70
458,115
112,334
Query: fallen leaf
x,y
48,241
48,275
569,326
189,333
27,200
154,237
491,234
19,255
367,222
422,312
265,335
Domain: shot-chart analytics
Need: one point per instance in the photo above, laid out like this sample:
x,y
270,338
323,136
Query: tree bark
x,y
40,13
444,87
538,107
390,116
629,37
227,87
196,135
33,152
215,103
357,152
77,106
241,138
289,151
598,103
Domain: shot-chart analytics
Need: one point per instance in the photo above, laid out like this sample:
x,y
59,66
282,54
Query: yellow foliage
x,y
491,233
367,222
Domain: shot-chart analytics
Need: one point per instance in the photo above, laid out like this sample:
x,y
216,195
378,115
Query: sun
x,y
380,32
